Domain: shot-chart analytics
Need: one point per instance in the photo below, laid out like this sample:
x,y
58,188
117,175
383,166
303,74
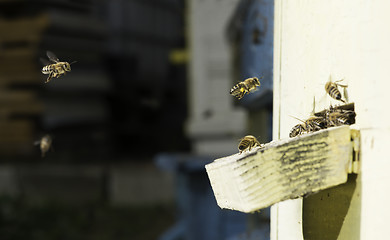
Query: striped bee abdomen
x,y
239,90
343,120
248,142
315,123
47,69
340,118
333,91
297,130
244,87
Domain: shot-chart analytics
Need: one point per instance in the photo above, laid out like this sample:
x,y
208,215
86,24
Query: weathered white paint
x,y
256,179
345,39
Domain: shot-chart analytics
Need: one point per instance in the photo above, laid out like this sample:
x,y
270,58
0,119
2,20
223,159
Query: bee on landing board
x,y
312,124
338,117
244,87
331,88
54,68
44,144
297,130
315,124
247,143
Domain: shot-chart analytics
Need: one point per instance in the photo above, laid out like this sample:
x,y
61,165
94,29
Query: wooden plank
x,y
282,170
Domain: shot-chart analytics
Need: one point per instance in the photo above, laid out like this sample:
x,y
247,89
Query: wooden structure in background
x,y
30,108
18,66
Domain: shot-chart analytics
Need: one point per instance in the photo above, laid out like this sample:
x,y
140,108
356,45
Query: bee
x,y
315,123
331,88
340,117
247,143
297,130
55,68
44,144
312,124
244,87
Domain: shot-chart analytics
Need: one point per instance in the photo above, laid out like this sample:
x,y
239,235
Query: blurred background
x,y
144,108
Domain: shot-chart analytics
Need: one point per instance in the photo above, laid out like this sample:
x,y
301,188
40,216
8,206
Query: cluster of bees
x,y
332,117
54,68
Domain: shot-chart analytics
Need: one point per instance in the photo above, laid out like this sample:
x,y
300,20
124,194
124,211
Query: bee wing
x,y
45,62
346,95
52,56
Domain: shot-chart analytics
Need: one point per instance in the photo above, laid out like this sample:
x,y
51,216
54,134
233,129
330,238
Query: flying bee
x,y
331,88
44,144
55,68
244,87
247,143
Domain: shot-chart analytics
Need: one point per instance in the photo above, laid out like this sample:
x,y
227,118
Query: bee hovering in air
x,y
44,144
331,88
55,68
247,143
244,87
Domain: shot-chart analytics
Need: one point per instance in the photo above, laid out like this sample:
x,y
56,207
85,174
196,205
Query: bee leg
x,y
49,77
243,92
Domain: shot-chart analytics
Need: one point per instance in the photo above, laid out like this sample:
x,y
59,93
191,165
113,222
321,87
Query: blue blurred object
x,y
198,213
252,29
257,51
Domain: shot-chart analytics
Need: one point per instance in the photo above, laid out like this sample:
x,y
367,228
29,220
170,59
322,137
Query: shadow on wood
x,y
333,213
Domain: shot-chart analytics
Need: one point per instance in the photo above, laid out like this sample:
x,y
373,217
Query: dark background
x,y
121,165
123,102
123,95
